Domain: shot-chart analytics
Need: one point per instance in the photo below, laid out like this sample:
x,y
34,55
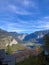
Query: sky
x,y
24,16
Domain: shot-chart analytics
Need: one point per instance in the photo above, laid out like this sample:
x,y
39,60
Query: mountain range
x,y
10,38
36,37
15,38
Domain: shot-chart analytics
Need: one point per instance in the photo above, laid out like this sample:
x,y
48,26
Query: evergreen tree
x,y
46,42
8,50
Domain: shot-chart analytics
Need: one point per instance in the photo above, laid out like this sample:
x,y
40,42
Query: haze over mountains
x,y
14,37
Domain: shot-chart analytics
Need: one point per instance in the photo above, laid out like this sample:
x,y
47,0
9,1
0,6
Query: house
x,y
2,54
9,59
6,59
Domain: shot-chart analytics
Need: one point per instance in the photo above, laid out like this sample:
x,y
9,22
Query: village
x,y
16,57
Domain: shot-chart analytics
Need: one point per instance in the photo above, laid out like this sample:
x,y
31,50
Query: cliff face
x,y
6,39
18,36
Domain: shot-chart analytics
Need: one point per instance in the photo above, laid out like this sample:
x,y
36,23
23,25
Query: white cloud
x,y
21,7
27,3
43,23
24,26
18,10
16,30
47,25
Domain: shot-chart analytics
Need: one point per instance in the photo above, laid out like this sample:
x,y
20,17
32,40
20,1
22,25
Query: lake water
x,y
31,47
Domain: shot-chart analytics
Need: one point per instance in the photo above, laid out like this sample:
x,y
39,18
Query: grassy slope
x,y
17,47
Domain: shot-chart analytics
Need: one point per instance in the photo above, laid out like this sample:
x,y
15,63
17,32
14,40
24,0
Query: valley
x,y
22,46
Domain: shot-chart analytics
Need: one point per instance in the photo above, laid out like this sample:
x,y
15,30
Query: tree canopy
x,y
46,42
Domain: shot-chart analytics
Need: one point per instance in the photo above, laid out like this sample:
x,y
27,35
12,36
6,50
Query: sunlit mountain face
x,y
24,16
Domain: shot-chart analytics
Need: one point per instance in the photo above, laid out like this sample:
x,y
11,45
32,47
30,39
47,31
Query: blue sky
x,y
24,16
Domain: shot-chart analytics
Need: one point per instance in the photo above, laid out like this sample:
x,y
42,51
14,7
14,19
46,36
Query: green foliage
x,y
41,59
14,48
46,42
17,47
46,39
8,49
28,61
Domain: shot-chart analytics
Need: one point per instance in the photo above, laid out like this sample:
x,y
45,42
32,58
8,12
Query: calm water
x,y
31,47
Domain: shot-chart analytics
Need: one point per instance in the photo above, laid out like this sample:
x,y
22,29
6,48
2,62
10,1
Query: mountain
x,y
6,38
15,38
10,38
19,37
22,36
36,37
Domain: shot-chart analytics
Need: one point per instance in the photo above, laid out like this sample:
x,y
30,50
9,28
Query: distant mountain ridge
x,y
10,38
14,37
6,38
18,36
36,37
